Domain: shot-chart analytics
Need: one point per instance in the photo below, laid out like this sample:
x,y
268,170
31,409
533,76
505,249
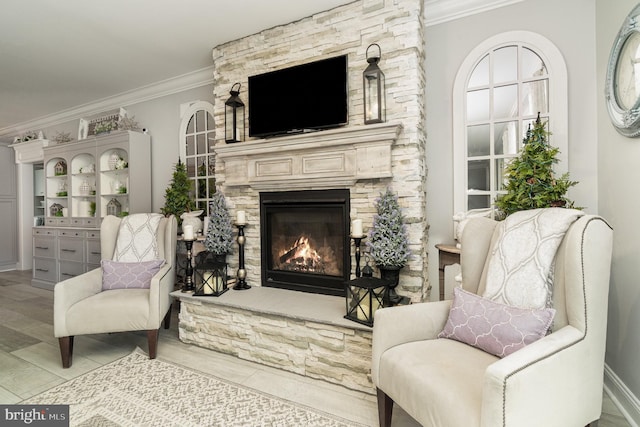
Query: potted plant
x,y
531,182
219,233
177,198
388,241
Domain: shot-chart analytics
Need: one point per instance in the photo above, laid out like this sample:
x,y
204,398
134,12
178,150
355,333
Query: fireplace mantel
x,y
327,159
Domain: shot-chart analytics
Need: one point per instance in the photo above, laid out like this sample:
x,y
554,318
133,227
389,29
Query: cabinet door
x,y
8,235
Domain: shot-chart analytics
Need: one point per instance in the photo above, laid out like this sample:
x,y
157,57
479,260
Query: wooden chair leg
x,y
167,318
385,408
152,337
66,351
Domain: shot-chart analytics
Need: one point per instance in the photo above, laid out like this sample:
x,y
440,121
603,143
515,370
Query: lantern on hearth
x,y
374,92
210,274
364,296
234,116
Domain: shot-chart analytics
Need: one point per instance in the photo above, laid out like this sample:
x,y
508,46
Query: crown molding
x,y
439,11
194,79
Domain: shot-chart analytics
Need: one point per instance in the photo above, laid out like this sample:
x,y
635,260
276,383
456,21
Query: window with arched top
x,y
197,138
500,89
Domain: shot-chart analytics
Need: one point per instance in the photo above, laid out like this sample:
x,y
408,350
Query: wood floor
x,y
30,360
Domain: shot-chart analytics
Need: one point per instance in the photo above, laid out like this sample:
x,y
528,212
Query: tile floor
x,y
30,360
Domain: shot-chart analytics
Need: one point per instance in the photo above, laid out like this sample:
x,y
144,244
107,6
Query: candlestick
x,y
356,228
188,271
356,242
241,283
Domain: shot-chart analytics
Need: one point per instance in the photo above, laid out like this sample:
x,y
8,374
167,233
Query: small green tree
x,y
531,183
388,243
219,238
177,197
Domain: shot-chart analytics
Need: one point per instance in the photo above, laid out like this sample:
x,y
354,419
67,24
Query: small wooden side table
x,y
448,254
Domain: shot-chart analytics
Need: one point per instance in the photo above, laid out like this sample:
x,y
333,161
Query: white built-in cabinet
x,y
81,179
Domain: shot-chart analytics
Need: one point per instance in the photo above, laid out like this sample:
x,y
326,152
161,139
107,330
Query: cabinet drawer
x,y
44,269
70,269
44,247
70,249
70,233
93,252
94,234
43,232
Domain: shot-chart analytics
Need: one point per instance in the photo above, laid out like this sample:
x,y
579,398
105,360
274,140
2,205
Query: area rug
x,y
137,391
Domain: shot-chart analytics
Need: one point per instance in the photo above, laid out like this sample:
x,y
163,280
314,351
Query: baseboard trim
x,y
622,397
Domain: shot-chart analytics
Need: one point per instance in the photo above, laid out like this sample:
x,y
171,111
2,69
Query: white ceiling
x,y
56,55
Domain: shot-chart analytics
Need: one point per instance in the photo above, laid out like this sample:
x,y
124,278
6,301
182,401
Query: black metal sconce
x,y
234,116
374,91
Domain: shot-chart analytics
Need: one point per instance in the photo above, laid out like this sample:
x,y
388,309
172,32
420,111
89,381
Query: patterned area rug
x,y
137,391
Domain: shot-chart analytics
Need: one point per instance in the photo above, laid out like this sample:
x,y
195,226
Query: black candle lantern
x,y
364,296
374,92
210,274
234,116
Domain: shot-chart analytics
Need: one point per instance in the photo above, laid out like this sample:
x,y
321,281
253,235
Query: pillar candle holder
x,y
241,276
188,271
356,241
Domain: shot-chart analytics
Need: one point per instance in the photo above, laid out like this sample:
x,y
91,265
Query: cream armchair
x,y
555,381
81,307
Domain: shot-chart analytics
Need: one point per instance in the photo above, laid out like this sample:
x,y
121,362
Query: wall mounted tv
x,y
301,98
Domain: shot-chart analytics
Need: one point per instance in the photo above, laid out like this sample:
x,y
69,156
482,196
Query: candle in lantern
x,y
356,228
241,218
207,288
363,310
187,232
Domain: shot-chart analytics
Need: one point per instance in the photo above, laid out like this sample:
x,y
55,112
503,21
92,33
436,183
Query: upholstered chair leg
x,y
152,337
385,408
66,351
167,318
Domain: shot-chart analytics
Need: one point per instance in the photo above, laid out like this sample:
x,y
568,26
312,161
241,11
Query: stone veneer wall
x,y
313,349
397,26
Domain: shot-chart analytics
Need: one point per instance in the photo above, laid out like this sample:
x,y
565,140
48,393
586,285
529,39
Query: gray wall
x,y
604,162
619,203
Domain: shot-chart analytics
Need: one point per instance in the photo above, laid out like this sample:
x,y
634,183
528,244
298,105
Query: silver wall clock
x,y
622,88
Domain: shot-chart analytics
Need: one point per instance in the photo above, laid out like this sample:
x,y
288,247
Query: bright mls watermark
x,y
34,415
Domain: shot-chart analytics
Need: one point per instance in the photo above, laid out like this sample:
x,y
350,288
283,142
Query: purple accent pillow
x,y
129,275
493,327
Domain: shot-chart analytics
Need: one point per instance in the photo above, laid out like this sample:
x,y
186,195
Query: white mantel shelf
x,y
325,159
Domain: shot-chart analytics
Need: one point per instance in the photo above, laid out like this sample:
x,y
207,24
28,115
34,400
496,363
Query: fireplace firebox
x,y
305,240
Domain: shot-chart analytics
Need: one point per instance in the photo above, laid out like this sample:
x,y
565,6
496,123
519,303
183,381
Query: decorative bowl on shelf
x,y
61,194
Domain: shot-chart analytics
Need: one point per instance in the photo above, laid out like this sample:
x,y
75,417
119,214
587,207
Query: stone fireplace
x,y
274,326
363,159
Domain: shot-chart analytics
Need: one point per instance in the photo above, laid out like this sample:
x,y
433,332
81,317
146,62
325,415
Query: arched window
x,y
499,90
197,133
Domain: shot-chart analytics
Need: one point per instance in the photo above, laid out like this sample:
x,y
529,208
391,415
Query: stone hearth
x,y
294,331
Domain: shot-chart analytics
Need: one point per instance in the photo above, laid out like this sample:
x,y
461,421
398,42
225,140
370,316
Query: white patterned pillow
x,y
137,239
492,327
521,259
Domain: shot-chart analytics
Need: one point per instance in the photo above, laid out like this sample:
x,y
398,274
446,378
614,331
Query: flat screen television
x,y
301,98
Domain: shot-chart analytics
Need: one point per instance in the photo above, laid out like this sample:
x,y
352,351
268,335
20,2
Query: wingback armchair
x,y
554,381
82,306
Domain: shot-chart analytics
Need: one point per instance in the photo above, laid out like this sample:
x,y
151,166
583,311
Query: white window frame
x,y
187,112
558,103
